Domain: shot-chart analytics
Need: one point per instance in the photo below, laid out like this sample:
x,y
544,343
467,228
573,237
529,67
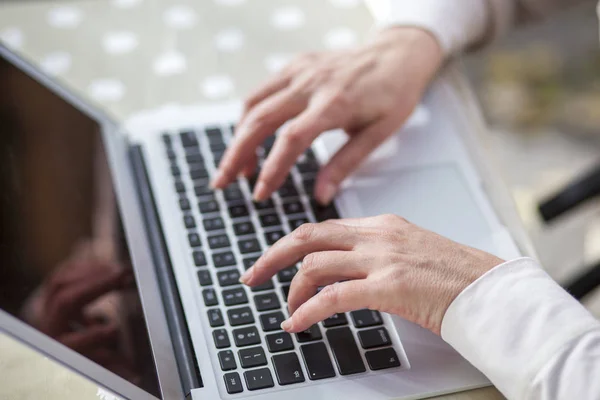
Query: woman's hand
x,y
369,92
382,263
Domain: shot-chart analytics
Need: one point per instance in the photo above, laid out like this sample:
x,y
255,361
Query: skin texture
x,y
382,263
369,92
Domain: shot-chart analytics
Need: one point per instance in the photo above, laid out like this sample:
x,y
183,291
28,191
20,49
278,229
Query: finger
x,y
337,298
350,156
308,238
250,168
298,136
270,87
263,121
325,268
92,337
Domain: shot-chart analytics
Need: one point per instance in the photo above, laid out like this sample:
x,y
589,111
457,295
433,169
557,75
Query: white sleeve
x,y
457,25
526,334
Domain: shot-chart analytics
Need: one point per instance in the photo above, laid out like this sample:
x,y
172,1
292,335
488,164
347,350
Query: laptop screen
x,y
64,262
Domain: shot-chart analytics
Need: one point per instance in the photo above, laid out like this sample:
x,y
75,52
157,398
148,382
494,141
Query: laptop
x,y
119,262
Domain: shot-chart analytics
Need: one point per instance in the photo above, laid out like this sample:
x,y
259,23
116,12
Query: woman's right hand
x,y
369,92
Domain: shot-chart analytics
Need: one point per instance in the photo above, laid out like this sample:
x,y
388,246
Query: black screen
x,y
64,262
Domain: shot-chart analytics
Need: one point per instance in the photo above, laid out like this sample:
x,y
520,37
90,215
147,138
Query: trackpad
x,y
436,198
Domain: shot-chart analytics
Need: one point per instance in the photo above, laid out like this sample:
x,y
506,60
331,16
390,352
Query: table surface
x,y
126,56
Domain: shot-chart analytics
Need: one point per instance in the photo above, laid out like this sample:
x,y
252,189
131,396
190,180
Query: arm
x,y
526,334
464,24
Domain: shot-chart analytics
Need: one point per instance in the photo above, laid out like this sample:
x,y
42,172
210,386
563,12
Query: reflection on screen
x,y
64,263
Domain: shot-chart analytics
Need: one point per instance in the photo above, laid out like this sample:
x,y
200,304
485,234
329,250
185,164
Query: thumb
x,y
350,156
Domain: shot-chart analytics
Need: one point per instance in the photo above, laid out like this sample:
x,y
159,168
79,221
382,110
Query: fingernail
x,y
327,194
246,276
217,180
287,324
260,192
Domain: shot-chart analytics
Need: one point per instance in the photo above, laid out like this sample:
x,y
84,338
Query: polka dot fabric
x,y
131,55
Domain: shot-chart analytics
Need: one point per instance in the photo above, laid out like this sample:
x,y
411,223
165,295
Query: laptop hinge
x,y
184,351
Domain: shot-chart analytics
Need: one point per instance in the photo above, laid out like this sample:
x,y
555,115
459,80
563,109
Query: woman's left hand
x,y
382,263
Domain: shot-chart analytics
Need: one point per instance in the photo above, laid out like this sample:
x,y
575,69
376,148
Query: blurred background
x,y
539,87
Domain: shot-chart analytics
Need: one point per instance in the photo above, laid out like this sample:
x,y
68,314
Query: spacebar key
x,y
345,351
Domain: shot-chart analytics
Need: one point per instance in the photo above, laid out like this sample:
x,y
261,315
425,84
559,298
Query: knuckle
x,y
330,295
311,263
293,136
305,233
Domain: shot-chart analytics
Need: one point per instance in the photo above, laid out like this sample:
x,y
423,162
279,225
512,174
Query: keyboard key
x,y
193,149
308,167
288,189
233,383
249,262
323,213
199,172
214,134
249,246
166,138
233,194
364,318
335,320
235,296
252,357
226,259
218,241
204,277
188,138
312,333
246,336
258,379
217,147
215,317
309,186
264,205
184,203
296,223
171,155
287,369
189,221
294,207
238,211
271,321
213,224
227,360
221,338
228,278
269,220
179,186
208,206
345,351
274,236
268,285
382,359
287,274
285,289
240,316
199,258
175,171
210,297
377,337
203,190
279,342
194,240
243,228
194,158
267,301
317,361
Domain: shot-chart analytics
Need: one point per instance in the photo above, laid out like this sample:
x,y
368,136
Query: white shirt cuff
x,y
511,321
455,26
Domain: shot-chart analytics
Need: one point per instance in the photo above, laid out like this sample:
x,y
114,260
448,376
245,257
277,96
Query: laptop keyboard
x,y
230,234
